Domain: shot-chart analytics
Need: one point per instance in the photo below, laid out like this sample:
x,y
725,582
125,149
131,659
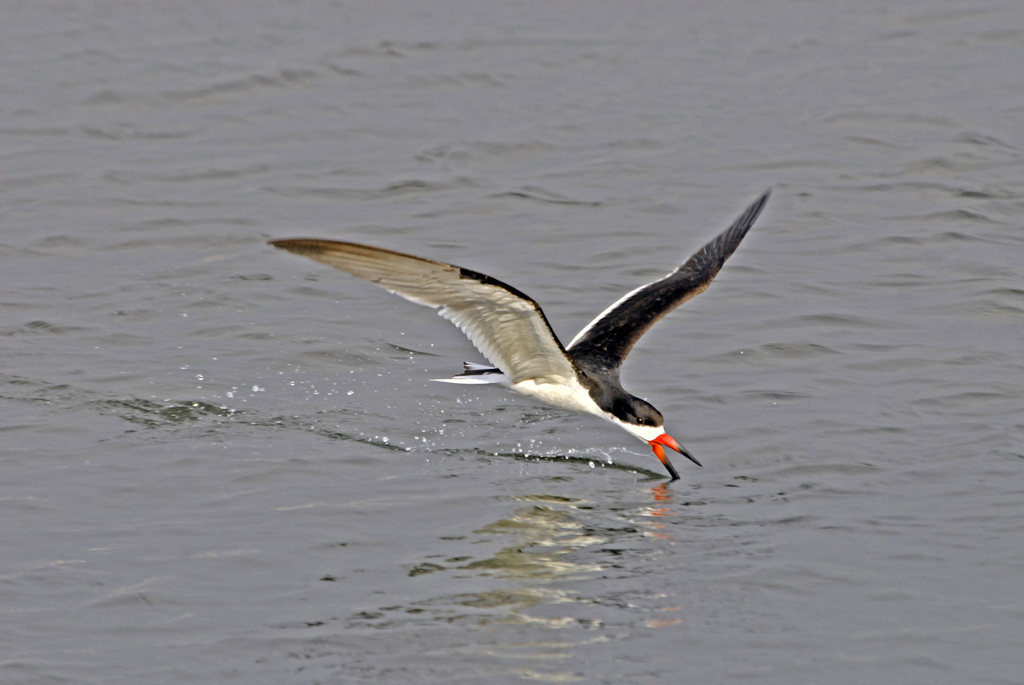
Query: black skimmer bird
x,y
510,328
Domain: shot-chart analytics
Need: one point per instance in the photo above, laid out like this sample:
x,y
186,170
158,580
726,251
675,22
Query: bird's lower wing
x,y
507,326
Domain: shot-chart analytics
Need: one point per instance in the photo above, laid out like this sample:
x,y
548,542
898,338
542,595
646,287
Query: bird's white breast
x,y
566,393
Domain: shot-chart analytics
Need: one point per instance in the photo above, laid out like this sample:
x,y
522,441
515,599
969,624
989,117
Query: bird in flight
x,y
512,332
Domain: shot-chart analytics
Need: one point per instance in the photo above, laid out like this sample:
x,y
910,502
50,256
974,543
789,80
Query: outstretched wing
x,y
607,340
507,326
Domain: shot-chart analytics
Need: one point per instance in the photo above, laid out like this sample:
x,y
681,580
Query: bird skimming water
x,y
510,328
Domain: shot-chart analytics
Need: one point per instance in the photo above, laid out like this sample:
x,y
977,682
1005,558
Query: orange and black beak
x,y
670,442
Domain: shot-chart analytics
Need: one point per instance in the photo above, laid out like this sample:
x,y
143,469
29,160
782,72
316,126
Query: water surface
x,y
221,463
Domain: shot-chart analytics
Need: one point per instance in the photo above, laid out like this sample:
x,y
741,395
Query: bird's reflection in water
x,y
549,582
662,496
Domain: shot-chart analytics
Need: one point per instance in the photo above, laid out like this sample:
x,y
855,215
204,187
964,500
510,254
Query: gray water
x,y
220,463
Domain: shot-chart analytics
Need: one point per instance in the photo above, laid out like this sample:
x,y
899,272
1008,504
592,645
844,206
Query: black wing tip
x,y
292,244
297,243
725,244
306,247
748,217
760,202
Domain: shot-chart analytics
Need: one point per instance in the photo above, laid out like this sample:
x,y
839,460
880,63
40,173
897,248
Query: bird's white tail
x,y
475,374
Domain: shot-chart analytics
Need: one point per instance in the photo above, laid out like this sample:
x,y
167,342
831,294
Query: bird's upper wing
x,y
607,340
507,326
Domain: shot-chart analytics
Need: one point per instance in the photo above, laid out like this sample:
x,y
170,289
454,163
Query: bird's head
x,y
646,423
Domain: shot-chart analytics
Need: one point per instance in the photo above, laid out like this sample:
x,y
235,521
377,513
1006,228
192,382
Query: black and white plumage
x,y
511,331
